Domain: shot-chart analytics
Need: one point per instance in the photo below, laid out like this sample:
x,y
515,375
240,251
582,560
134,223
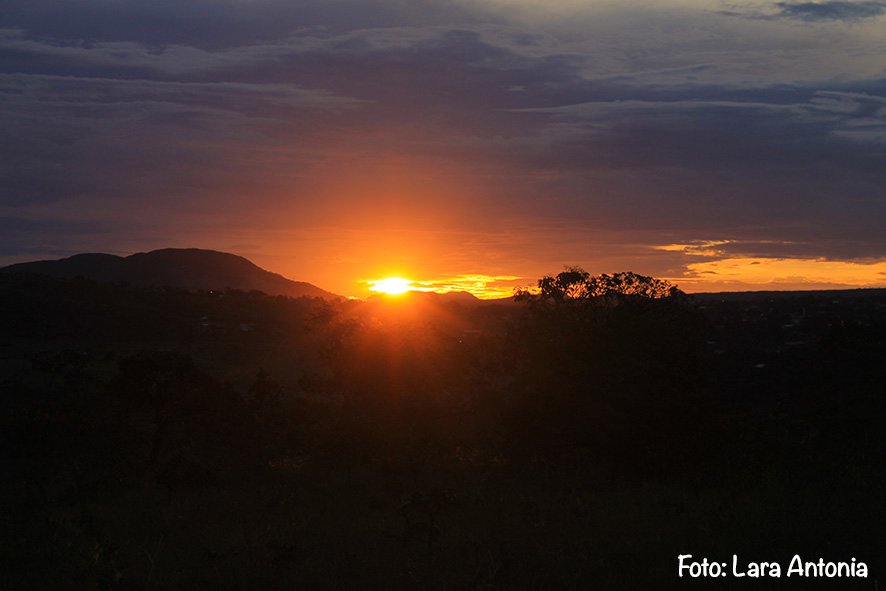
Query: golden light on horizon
x,y
391,285
478,285
744,273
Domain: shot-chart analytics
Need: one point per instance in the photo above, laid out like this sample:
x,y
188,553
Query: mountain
x,y
184,268
458,297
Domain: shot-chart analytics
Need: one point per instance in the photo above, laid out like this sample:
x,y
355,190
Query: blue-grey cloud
x,y
218,23
833,10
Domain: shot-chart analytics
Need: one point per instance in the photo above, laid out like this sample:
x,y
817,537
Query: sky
x,y
464,144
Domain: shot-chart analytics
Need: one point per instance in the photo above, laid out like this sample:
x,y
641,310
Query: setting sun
x,y
391,285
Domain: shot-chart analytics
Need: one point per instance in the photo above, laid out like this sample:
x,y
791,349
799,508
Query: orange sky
x,y
492,265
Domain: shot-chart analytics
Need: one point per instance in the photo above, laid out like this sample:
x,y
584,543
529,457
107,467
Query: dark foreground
x,y
172,440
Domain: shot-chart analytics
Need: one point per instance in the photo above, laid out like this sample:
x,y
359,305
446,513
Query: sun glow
x,y
480,286
391,285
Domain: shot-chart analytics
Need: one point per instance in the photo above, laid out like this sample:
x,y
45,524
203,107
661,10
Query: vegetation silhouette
x,y
613,368
575,285
156,438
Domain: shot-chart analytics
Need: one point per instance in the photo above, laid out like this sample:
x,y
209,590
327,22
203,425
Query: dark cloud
x,y
833,249
218,23
194,113
839,10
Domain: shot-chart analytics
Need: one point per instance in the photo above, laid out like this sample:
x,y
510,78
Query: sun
x,y
391,285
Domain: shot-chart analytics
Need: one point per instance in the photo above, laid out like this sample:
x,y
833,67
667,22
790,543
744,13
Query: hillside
x,y
184,268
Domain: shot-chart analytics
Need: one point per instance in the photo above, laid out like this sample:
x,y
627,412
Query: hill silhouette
x,y
429,297
184,268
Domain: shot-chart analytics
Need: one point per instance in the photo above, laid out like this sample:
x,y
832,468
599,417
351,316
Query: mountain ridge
x,y
185,268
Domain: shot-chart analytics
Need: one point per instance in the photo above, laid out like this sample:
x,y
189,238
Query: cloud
x,y
825,11
215,24
201,117
839,10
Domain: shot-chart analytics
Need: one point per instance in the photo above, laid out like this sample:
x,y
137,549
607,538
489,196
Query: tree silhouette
x,y
612,367
577,285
